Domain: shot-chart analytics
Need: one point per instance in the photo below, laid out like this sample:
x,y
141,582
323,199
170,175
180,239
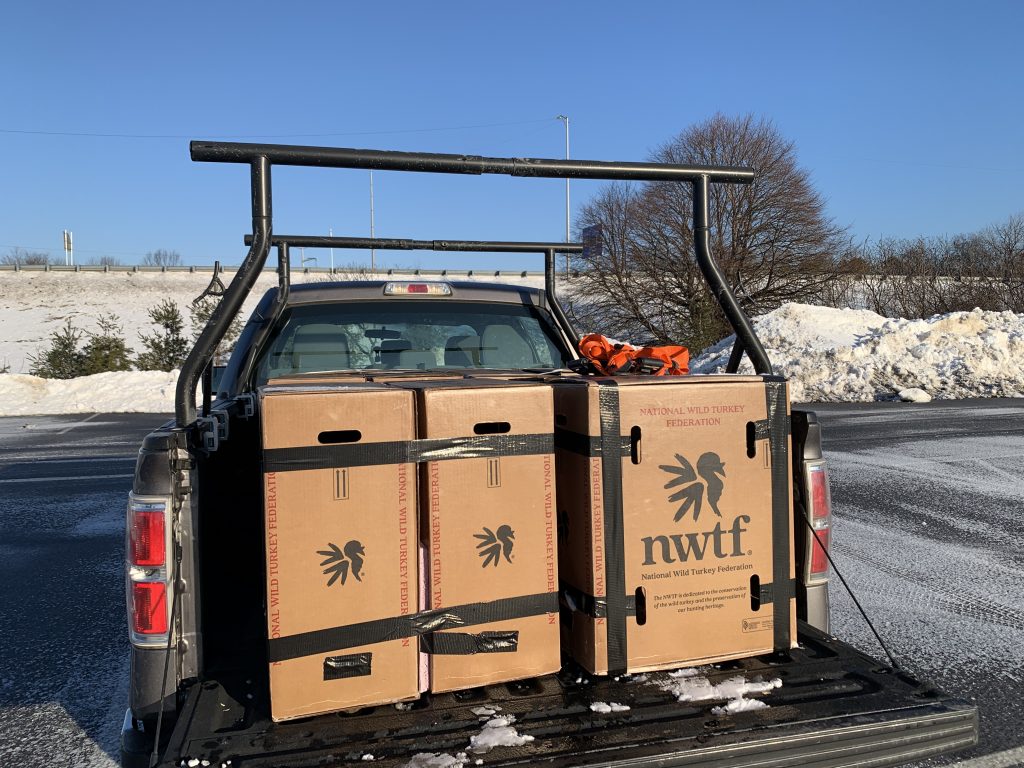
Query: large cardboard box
x,y
488,527
675,508
341,543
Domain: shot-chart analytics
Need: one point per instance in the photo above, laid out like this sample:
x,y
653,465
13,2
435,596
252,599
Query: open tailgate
x,y
836,707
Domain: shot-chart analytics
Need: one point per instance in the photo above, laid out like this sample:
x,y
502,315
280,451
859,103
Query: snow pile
x,y
689,685
498,732
604,708
120,392
855,355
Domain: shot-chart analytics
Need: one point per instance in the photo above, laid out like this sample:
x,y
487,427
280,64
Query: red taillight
x,y
819,511
148,543
418,288
821,499
149,607
819,560
148,582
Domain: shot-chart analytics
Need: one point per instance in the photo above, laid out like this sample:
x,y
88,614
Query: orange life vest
x,y
611,358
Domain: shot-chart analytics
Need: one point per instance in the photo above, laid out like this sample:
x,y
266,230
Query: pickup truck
x,y
194,570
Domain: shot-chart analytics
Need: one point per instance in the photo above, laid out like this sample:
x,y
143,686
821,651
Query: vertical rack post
x,y
717,283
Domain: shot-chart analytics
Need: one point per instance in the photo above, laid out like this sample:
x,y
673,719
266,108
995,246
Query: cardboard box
x,y
675,508
341,543
488,525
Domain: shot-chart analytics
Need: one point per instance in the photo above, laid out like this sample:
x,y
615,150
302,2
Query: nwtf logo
x,y
494,544
682,547
709,467
341,562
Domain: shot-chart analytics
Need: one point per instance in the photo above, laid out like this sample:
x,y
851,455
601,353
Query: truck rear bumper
x,y
843,742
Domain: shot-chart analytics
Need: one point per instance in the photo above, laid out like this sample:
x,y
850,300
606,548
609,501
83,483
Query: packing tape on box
x,y
405,451
352,665
467,644
416,624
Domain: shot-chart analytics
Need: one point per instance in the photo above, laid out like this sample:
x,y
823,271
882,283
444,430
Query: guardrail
x,y
305,270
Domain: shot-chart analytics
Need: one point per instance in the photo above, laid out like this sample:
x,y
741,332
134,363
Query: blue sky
x,y
907,115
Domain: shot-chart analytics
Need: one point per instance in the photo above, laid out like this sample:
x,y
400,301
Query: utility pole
x,y
565,119
330,232
373,253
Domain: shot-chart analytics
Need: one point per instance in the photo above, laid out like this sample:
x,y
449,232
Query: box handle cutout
x,y
755,593
751,442
634,445
492,428
641,606
561,419
340,436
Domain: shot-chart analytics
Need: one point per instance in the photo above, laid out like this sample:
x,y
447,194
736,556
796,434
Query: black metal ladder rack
x,y
261,157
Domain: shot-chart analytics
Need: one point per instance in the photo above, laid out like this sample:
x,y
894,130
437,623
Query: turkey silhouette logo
x,y
710,469
341,562
495,544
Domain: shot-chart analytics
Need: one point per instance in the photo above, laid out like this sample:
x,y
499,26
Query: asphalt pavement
x,y
927,500
64,482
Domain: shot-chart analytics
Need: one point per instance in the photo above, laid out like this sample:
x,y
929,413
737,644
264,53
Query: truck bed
x,y
836,707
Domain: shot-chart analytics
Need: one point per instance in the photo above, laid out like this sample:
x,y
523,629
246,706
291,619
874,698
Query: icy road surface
x,y
64,675
928,501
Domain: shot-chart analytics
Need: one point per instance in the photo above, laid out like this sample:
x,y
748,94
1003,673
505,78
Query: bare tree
x,y
21,257
162,258
921,277
1004,247
771,238
106,261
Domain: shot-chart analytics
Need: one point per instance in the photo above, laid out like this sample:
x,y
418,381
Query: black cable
x,y
856,602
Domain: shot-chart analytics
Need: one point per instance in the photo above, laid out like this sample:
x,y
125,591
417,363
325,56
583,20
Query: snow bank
x,y
121,392
855,355
828,355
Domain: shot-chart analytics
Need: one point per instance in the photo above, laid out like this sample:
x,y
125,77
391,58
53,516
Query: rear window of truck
x,y
410,335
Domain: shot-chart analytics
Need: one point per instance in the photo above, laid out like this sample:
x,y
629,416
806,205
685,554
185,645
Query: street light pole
x,y
565,119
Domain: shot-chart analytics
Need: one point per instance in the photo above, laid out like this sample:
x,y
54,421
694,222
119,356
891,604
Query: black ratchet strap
x,y
615,547
776,429
417,624
593,606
